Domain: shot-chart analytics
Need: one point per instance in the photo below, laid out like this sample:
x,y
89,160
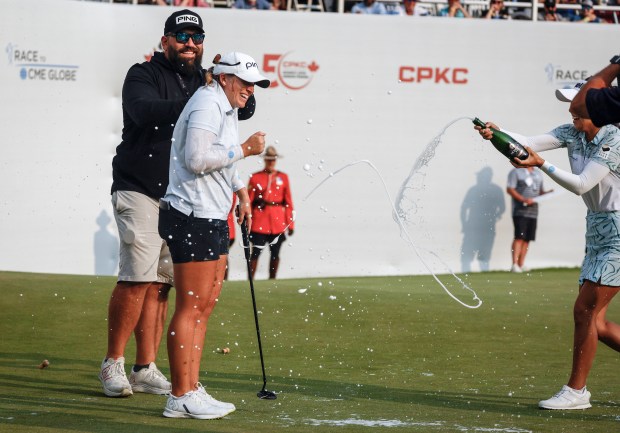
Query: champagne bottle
x,y
507,146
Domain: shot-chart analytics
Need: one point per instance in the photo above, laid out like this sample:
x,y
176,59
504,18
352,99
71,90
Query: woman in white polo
x,y
193,220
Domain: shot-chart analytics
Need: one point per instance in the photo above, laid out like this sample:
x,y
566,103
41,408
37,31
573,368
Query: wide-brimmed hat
x,y
181,20
271,154
243,66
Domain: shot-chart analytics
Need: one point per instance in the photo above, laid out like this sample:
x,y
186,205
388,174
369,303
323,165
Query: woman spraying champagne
x,y
594,155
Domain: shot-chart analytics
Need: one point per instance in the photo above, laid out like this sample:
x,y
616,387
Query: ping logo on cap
x,y
187,19
249,65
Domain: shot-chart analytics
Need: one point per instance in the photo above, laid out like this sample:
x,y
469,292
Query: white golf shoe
x,y
205,395
567,399
192,405
114,379
149,380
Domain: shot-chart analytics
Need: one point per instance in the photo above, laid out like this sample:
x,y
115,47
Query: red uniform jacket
x,y
272,205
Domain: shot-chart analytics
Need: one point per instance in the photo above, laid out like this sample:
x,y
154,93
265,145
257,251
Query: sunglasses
x,y
183,38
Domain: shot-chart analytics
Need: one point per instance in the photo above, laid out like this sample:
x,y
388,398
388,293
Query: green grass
x,y
387,354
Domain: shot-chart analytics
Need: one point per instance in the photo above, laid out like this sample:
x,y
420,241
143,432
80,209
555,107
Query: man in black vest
x,y
154,94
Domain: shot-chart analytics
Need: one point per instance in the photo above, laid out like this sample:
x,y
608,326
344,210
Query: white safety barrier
x,y
348,88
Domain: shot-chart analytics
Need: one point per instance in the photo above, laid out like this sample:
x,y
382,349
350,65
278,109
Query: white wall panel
x,y
59,136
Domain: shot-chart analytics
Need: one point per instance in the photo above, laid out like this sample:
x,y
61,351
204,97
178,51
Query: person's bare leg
x,y
591,302
525,245
150,327
124,312
516,250
201,329
608,332
194,287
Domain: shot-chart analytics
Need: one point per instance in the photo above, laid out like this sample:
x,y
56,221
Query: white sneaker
x,y
114,379
567,398
525,269
516,269
149,380
209,399
192,405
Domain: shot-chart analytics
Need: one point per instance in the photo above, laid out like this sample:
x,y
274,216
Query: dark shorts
x,y
525,228
260,241
192,239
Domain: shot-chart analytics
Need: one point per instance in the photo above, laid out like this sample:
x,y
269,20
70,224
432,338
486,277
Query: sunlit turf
x,y
346,355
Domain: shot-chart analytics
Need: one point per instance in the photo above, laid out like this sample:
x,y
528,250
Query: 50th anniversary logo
x,y
33,65
291,71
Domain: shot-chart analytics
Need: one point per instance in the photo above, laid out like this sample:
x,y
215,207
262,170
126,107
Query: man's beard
x,y
182,66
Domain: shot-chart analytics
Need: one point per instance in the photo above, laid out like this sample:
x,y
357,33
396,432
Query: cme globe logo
x,y
291,71
32,64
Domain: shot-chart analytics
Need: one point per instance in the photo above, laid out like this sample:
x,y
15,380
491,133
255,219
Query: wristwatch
x,y
615,60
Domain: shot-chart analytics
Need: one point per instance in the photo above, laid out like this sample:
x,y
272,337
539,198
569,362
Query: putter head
x,y
263,394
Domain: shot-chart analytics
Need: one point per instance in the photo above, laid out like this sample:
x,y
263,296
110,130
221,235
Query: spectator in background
x,y
524,185
496,11
550,12
278,5
272,211
569,14
252,4
179,3
369,7
454,10
192,3
413,8
409,7
587,14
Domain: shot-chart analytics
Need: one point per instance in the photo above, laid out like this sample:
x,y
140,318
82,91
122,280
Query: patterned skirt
x,y
602,260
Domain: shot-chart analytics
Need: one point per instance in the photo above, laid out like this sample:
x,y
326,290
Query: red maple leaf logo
x,y
313,66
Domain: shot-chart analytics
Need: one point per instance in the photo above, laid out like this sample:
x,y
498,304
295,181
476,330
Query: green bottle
x,y
507,146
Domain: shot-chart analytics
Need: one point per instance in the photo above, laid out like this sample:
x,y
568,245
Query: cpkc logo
x,y
292,72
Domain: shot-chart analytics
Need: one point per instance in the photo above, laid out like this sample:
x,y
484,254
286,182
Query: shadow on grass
x,y
337,390
31,397
70,422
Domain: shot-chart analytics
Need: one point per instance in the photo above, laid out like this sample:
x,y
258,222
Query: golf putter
x,y
263,393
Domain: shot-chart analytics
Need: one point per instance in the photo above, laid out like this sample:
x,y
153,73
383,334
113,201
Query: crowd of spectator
x,y
581,10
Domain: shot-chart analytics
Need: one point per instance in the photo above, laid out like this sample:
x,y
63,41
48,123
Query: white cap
x,y
567,95
243,66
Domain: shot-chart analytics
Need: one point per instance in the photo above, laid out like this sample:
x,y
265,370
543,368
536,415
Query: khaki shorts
x,y
144,256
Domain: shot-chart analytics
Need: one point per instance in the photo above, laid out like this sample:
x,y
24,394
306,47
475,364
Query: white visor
x,y
567,95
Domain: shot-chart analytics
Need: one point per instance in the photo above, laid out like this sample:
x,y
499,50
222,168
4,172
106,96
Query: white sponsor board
x,y
376,88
